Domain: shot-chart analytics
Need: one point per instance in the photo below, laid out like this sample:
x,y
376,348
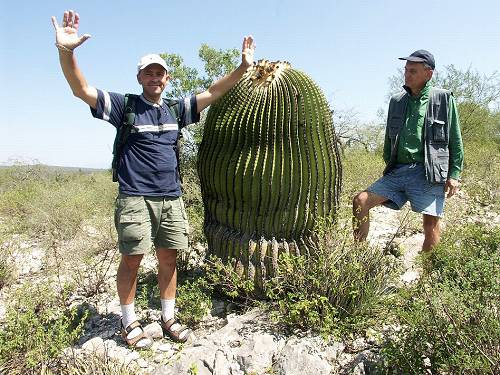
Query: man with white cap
x,y
423,152
149,207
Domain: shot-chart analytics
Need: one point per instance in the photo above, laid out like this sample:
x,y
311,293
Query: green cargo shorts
x,y
141,221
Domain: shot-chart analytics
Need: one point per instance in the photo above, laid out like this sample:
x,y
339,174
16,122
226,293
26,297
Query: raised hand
x,y
67,34
247,50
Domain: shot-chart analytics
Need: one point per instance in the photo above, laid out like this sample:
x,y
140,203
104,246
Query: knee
x,y
167,258
131,262
359,201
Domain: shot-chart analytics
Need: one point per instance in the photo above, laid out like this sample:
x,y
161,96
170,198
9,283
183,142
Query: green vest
x,y
435,133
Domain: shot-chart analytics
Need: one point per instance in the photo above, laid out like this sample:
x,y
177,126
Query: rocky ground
x,y
229,343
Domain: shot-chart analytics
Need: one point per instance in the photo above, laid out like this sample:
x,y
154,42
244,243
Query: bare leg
x,y
126,285
167,272
432,232
126,278
167,281
361,205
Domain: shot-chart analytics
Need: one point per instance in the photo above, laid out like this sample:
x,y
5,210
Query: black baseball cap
x,y
422,56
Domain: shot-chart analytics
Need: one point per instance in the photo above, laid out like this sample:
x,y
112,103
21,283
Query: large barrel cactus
x,y
269,168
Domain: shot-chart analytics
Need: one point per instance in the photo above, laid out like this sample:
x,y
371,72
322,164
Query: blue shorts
x,y
407,182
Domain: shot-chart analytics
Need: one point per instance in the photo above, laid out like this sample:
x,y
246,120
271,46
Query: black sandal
x,y
176,334
133,341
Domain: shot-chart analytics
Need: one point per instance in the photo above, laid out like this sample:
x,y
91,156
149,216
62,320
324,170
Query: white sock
x,y
167,308
128,314
128,317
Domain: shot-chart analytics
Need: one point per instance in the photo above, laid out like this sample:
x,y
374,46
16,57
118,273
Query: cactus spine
x,y
269,168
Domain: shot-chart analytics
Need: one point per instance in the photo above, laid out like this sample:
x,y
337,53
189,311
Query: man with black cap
x,y
423,152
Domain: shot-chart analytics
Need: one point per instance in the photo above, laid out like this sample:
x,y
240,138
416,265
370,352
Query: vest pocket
x,y
438,132
441,169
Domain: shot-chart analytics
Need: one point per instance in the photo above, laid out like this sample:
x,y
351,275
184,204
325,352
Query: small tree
x,y
186,80
351,132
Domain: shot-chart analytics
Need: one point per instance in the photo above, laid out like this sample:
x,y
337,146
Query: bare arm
x,y
67,40
224,84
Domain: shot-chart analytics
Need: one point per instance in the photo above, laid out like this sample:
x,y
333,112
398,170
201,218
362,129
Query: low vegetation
x,y
451,318
38,325
448,322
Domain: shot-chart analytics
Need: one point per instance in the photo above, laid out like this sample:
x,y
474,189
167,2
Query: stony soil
x,y
226,342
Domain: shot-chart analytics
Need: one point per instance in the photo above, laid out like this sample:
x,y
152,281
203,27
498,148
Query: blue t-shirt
x,y
148,164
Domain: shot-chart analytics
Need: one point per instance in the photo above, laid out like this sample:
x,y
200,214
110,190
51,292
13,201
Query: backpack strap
x,y
123,131
173,108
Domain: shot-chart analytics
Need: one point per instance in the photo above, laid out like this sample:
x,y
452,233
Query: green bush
x,y
94,264
451,319
360,168
38,326
338,288
148,292
193,300
227,282
191,194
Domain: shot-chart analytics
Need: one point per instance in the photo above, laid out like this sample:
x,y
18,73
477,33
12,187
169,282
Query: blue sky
x,y
349,48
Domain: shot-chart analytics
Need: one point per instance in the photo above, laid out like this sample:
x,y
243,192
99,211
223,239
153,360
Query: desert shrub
x,y
189,259
191,194
148,292
193,300
37,327
40,201
338,288
481,176
228,283
7,266
5,274
93,364
92,271
360,168
451,319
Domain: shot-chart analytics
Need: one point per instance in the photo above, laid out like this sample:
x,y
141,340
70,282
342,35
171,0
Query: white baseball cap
x,y
150,59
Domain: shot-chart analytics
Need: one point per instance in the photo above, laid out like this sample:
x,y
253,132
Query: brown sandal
x,y
133,341
175,335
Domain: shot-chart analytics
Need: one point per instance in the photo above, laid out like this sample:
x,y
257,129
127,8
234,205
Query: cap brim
x,y
151,63
412,59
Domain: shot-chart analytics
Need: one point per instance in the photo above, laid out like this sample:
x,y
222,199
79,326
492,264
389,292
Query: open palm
x,y
247,51
67,33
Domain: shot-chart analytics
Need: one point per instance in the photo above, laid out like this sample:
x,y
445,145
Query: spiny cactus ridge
x,y
269,168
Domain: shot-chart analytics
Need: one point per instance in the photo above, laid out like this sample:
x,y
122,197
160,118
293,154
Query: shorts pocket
x,y
130,228
129,218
